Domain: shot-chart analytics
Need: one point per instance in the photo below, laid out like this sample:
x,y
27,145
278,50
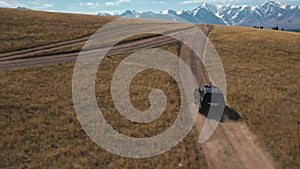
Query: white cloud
x,y
159,2
109,3
121,1
114,12
36,4
48,5
209,1
90,4
190,2
198,1
115,3
4,4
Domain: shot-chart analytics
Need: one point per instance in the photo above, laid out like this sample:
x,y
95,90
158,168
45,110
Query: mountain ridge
x,y
267,14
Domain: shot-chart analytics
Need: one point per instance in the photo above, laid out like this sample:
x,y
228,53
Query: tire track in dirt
x,y
63,58
32,51
27,58
232,145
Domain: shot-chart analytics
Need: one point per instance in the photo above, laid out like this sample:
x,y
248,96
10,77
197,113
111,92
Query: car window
x,y
217,97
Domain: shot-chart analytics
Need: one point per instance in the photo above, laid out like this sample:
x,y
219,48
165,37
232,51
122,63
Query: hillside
x,y
262,71
39,125
21,29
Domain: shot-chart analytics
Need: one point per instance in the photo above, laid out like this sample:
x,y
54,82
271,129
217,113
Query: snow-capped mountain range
x,y
268,14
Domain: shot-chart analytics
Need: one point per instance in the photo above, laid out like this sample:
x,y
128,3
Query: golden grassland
x,y
78,48
262,71
39,128
21,29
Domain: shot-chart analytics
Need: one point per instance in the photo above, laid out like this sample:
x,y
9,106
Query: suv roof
x,y
210,89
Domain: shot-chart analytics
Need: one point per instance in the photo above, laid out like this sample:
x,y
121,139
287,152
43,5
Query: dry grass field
x,y
39,128
262,71
38,124
21,29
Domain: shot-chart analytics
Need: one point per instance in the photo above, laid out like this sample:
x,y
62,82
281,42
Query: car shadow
x,y
229,115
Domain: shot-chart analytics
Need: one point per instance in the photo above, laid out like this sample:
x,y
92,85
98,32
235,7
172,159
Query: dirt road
x,y
23,59
231,146
28,58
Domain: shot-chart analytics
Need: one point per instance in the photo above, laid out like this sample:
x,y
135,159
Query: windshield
x,y
213,97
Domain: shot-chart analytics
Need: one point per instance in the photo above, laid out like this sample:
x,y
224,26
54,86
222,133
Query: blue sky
x,y
118,6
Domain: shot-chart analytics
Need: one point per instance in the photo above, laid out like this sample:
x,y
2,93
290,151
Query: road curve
x,y
231,146
71,57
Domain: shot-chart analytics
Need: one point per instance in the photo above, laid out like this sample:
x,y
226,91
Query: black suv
x,y
207,97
